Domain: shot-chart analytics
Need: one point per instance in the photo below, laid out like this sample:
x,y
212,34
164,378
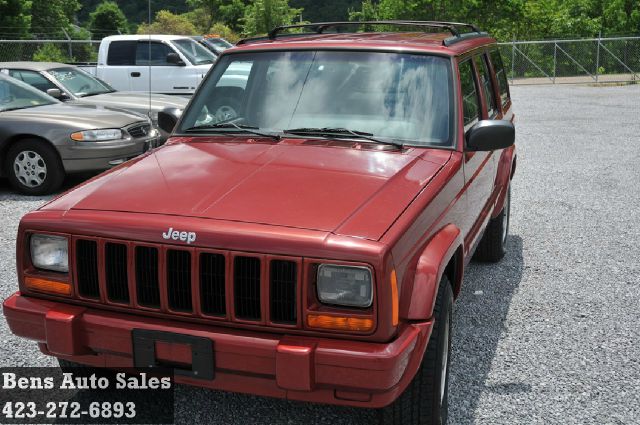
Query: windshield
x,y
402,97
15,94
195,52
79,82
218,43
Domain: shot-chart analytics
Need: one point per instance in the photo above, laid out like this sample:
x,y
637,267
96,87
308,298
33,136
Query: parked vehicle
x,y
310,246
43,139
213,42
169,64
71,84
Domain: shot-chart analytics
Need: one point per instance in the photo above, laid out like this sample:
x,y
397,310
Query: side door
x,y
116,70
479,167
152,67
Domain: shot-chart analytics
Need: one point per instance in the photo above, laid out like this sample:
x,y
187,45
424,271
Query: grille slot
x,y
212,284
140,130
247,288
147,286
87,267
179,280
283,291
115,261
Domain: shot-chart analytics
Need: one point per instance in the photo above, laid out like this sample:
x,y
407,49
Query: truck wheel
x,y
425,401
34,168
492,246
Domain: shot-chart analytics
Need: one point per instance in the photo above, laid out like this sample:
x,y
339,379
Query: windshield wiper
x,y
341,132
239,128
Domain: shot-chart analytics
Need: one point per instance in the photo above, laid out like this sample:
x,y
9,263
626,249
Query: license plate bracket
x,y
202,359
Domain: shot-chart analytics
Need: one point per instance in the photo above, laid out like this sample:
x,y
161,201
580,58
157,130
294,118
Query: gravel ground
x,y
549,335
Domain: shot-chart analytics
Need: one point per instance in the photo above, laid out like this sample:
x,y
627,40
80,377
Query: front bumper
x,y
293,367
99,156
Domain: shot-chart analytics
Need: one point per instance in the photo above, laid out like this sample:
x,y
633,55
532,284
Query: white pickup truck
x,y
170,64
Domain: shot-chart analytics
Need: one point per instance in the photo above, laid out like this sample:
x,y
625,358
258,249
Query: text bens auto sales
x,y
70,382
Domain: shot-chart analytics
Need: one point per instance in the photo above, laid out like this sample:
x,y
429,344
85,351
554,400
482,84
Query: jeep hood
x,y
293,183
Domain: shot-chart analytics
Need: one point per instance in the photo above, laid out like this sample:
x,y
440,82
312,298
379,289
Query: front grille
x,y
87,267
179,280
165,278
283,291
116,273
140,130
147,284
247,287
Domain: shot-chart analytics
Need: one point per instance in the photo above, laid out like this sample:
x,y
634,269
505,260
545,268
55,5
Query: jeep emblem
x,y
177,235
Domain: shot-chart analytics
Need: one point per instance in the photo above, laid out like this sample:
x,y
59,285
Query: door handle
x,y
135,74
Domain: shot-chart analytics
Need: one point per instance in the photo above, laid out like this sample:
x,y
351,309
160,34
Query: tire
x,y
425,401
493,245
34,167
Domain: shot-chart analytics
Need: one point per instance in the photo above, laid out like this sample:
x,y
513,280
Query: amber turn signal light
x,y
323,321
394,298
46,285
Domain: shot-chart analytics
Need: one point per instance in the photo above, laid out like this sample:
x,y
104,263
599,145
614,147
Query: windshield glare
x,y
18,95
404,97
79,82
195,52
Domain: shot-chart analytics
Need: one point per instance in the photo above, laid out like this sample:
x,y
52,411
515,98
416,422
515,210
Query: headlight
x,y
97,135
50,252
345,285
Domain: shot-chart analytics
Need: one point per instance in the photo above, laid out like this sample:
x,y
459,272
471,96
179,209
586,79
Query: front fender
x,y
418,301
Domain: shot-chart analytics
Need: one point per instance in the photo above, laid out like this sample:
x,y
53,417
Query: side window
x,y
153,53
487,84
470,102
34,79
122,53
501,76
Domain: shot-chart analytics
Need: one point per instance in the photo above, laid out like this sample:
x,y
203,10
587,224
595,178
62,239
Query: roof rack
x,y
320,27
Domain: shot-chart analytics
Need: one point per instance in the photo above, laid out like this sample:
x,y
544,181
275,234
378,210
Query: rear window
x,y
501,76
122,53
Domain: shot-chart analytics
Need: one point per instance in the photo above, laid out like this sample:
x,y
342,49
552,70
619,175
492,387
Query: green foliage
x,y
324,11
107,20
50,53
15,18
166,22
225,32
206,12
50,17
263,15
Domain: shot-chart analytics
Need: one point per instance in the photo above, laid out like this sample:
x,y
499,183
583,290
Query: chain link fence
x,y
594,60
49,50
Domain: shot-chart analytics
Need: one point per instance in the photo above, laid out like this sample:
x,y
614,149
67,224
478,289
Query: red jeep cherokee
x,y
304,232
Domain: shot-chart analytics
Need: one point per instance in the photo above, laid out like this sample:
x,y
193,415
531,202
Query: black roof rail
x,y
319,28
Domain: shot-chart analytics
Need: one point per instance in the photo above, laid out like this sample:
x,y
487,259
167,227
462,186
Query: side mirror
x,y
168,118
174,59
57,93
490,135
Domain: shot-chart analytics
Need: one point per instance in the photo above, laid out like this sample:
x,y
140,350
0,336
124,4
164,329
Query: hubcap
x,y
30,169
445,361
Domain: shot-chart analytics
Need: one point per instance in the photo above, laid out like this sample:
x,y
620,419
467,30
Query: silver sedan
x,y
42,139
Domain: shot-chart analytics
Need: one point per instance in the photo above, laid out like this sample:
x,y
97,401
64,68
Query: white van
x,y
171,64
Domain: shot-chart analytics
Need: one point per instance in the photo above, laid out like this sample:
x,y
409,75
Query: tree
x,y
15,18
107,20
263,15
207,12
166,22
50,53
50,18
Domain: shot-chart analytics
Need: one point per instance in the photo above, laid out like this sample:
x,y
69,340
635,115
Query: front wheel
x,y
34,168
425,401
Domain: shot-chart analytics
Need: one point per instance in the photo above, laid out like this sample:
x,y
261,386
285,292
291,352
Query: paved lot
x,y
550,335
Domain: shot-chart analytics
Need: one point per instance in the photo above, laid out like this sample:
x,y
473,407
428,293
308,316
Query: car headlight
x,y
345,285
98,135
49,252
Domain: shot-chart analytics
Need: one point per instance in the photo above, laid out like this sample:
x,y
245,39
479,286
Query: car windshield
x,y
404,98
195,52
219,43
80,83
15,94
